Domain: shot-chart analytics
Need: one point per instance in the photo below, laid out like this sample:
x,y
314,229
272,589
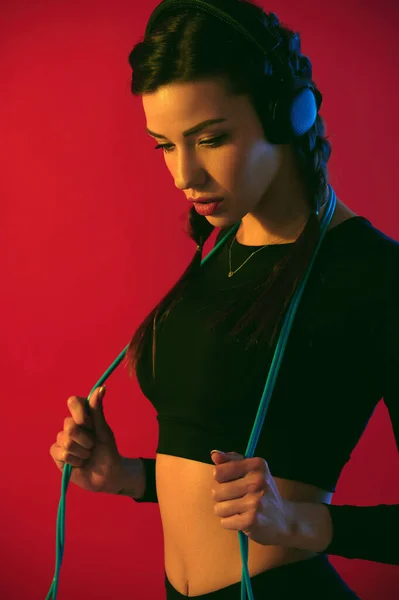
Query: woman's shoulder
x,y
363,257
379,244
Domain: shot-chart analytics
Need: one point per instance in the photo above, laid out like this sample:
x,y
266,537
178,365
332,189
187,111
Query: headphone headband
x,y
170,6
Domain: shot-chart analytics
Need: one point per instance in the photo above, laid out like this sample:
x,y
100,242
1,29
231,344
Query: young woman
x,y
203,354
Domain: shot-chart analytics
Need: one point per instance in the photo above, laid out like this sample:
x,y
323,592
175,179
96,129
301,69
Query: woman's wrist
x,y
309,526
131,478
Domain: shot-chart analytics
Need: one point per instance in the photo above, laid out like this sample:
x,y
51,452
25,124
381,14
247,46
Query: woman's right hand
x,y
87,443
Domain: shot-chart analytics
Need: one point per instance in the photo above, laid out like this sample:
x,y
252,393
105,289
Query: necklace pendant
x,y
231,273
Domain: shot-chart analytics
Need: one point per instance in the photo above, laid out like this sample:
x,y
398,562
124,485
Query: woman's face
x,y
241,166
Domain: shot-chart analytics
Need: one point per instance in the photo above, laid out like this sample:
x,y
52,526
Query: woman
x,y
192,68
203,354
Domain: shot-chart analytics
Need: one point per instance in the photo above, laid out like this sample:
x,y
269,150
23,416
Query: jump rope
x,y
291,112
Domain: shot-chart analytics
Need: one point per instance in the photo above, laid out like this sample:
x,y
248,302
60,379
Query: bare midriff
x,y
195,541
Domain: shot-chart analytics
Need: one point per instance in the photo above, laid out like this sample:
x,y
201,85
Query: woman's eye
x,y
211,142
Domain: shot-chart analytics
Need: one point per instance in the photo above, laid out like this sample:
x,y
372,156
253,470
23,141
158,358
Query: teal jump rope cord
x,y
66,475
258,424
272,378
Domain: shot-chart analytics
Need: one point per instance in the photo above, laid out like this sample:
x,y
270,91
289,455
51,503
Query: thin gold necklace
x,y
231,272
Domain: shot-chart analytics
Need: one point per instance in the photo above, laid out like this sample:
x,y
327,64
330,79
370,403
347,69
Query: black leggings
x,y
311,579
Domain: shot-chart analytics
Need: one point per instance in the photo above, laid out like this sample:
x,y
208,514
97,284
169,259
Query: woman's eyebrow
x,y
192,130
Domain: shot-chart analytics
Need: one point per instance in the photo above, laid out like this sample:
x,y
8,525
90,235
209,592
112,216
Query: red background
x,y
91,240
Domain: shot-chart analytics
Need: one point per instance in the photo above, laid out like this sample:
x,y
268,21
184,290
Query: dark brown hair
x,y
189,46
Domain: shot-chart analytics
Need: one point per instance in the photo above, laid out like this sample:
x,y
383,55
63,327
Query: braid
x,y
312,150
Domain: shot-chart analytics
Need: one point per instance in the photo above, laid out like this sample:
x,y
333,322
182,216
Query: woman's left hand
x,y
247,499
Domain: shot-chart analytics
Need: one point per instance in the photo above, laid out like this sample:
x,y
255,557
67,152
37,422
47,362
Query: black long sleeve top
x,y
208,387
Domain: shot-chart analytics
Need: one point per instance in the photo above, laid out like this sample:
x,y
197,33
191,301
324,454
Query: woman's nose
x,y
189,173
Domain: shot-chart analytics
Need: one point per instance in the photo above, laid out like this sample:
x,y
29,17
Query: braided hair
x,y
188,46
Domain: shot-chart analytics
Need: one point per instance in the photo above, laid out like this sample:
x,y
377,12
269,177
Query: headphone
x,y
293,103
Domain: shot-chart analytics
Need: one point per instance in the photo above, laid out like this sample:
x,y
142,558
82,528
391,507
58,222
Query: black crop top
x,y
341,358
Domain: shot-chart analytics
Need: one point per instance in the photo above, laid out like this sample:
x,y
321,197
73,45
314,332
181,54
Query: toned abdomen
x,y
195,541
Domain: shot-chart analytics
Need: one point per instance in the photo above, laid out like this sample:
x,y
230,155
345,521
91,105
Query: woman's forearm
x,y
364,532
310,526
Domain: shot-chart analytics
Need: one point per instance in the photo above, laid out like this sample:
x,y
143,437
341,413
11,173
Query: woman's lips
x,y
207,200
207,208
